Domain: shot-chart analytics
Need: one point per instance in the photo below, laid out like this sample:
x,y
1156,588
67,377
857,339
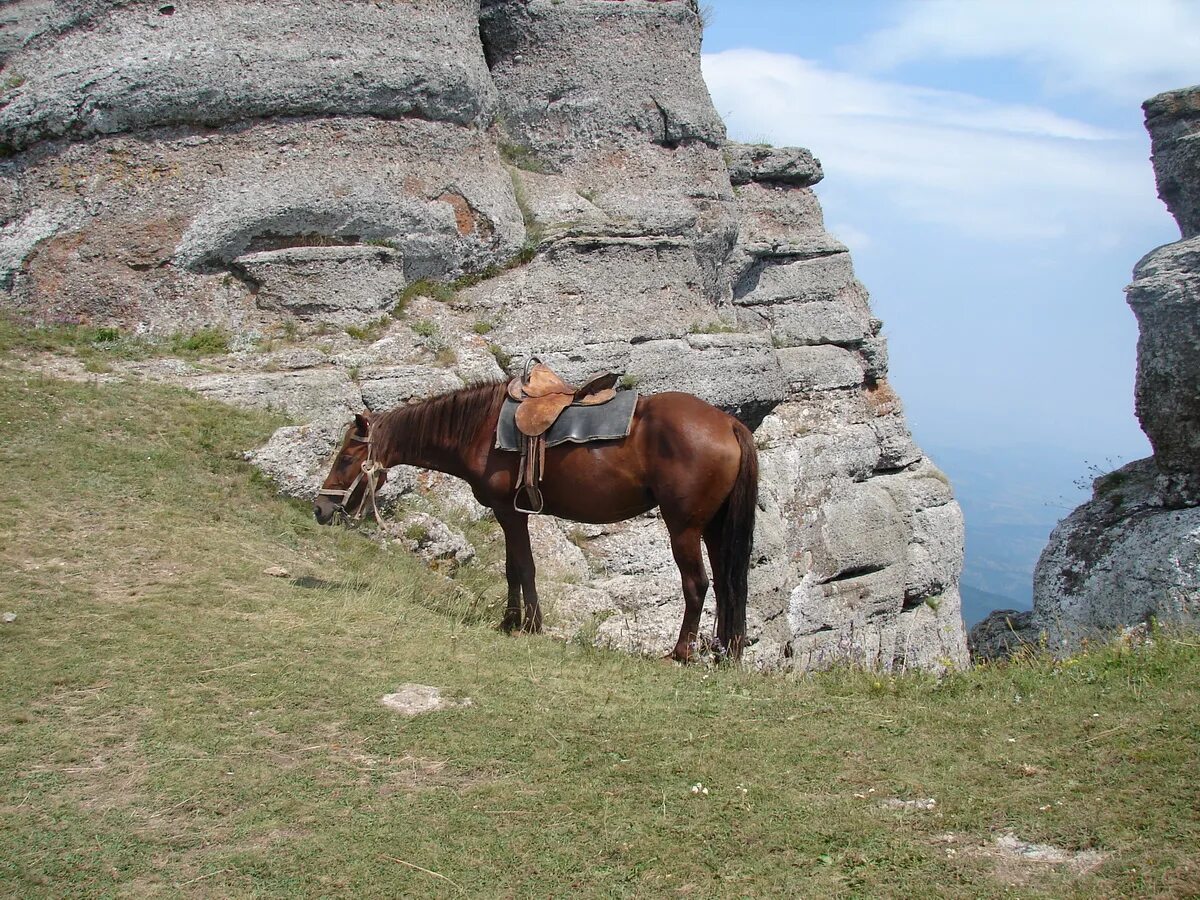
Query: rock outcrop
x,y
511,177
1133,552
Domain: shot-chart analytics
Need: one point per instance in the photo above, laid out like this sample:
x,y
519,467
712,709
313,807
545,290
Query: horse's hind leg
x,y
685,546
716,558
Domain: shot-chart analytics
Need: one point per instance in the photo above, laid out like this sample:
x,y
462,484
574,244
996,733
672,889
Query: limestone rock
x,y
306,395
136,68
1173,120
562,89
414,699
765,164
1132,553
330,284
1003,633
1165,297
443,548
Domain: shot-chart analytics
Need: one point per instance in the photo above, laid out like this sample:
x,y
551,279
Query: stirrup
x,y
534,494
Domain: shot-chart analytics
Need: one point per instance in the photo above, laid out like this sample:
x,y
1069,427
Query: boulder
x,y
137,67
1129,555
765,164
1173,120
1165,297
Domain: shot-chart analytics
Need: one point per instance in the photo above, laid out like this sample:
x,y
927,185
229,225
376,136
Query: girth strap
x,y
529,474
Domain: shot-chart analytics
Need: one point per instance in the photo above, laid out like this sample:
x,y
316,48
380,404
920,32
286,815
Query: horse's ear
x,y
362,422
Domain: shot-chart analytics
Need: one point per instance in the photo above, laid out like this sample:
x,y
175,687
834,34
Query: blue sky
x,y
986,163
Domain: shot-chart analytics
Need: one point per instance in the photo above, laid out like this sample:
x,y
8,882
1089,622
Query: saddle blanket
x,y
577,424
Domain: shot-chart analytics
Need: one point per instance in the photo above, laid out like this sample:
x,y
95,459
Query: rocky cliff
x,y
1133,551
512,177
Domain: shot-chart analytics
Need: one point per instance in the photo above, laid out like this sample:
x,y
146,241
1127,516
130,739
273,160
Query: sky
x,y
986,163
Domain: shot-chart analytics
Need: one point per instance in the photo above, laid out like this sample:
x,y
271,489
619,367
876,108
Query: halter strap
x,y
370,470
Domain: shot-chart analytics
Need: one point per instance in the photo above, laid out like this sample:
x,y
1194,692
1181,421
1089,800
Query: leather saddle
x,y
543,396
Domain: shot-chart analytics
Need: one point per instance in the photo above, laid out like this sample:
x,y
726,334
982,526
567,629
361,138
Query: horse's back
x,y
678,420
678,446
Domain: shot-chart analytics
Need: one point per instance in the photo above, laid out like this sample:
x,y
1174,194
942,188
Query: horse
x,y
696,463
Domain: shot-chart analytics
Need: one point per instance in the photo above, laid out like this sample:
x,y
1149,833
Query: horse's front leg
x,y
521,574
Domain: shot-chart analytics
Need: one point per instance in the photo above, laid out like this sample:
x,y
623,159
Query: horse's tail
x,y
737,541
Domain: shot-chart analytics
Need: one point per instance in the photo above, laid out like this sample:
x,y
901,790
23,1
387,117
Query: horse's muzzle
x,y
324,510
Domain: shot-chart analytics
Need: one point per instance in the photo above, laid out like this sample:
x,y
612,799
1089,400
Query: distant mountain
x,y
1012,497
976,604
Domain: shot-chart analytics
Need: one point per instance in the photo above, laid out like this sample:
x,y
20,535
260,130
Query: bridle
x,y
370,470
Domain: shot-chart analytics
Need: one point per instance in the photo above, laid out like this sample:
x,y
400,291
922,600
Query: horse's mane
x,y
442,420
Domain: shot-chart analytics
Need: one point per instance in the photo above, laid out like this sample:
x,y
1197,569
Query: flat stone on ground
x,y
414,699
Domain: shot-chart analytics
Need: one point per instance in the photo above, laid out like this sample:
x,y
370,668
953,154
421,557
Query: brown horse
x,y
695,462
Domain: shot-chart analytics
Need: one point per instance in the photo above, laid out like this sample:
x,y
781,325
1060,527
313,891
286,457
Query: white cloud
x,y
1115,49
994,170
850,235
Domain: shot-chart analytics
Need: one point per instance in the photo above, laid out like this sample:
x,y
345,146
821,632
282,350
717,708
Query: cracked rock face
x,y
1173,120
1133,551
497,175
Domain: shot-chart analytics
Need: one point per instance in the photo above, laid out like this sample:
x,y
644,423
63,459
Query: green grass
x,y
98,347
503,357
425,287
371,331
715,326
521,157
425,328
174,721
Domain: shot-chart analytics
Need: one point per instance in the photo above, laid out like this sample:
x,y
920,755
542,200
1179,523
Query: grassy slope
x,y
172,718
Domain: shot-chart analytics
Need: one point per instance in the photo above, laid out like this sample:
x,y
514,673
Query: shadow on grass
x,y
320,584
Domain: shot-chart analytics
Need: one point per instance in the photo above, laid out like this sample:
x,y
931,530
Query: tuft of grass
x,y
629,382
371,331
205,342
588,633
534,230
425,328
521,157
715,326
417,532
445,357
425,287
482,326
382,242
503,358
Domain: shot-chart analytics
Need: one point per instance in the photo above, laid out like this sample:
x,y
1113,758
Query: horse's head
x,y
354,477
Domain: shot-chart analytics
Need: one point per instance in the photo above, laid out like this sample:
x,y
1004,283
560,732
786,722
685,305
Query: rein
x,y
370,470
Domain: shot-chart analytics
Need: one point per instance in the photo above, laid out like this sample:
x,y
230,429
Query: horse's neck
x,y
453,454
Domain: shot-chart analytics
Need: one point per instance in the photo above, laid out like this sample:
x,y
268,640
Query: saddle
x,y
543,396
